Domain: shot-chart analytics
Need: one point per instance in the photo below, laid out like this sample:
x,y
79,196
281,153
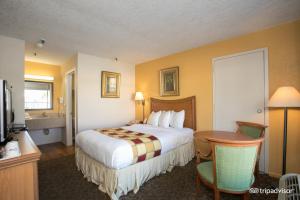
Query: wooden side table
x,y
19,175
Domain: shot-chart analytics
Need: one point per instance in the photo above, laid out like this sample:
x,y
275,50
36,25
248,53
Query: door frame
x,y
68,98
265,167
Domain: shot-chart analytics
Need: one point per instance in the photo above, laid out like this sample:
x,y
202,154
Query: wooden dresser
x,y
19,175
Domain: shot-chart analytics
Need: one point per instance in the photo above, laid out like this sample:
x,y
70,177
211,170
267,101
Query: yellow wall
x,y
35,68
283,43
70,64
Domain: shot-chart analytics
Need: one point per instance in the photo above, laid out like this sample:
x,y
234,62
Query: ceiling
x,y
135,31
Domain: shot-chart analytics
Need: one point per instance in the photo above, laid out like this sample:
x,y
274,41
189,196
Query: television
x,y
6,113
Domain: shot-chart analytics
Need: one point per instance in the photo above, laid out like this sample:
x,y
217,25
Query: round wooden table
x,y
203,138
224,136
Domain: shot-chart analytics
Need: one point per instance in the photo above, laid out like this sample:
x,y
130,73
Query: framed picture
x,y
110,84
169,82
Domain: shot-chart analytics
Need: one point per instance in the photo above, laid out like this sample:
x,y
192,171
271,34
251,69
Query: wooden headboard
x,y
188,104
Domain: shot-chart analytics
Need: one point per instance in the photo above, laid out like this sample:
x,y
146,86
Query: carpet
x,y
59,179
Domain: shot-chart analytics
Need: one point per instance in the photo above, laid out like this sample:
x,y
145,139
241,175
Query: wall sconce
x,y
139,97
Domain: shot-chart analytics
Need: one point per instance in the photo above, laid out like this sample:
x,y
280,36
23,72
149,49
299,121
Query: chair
x,y
254,131
232,167
250,129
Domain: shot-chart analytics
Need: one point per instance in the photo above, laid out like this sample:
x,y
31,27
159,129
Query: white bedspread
x,y
117,153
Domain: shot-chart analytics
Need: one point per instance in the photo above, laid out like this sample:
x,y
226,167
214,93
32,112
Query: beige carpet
x,y
60,180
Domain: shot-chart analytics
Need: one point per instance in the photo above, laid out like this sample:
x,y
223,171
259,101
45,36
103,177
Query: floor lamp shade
x,y
285,97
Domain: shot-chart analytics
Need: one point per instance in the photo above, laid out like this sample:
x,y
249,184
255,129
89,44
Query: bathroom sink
x,y
40,122
41,117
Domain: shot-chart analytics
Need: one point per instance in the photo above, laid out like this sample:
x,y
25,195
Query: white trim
x,y
73,70
266,146
266,90
214,90
68,77
68,135
239,54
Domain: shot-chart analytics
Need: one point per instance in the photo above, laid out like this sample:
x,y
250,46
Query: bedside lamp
x,y
285,97
139,97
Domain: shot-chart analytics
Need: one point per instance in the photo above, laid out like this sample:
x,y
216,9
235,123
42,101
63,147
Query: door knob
x,y
259,110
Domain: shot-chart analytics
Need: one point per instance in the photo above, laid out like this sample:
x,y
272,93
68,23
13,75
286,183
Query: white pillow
x,y
164,119
153,118
177,119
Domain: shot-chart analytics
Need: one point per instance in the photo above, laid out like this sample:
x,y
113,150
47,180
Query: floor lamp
x,y
139,97
285,97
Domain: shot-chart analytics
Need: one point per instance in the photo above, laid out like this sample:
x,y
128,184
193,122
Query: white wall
x,y
12,69
94,111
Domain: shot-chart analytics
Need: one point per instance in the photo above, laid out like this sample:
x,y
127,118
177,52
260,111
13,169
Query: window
x,y
38,95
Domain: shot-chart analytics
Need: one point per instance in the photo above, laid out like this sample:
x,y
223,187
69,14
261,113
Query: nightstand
x,y
134,122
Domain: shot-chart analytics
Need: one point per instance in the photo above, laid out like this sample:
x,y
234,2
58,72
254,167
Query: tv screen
x,y
9,114
6,116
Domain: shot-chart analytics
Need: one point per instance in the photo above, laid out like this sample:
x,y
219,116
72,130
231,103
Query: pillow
x,y
164,119
177,119
153,118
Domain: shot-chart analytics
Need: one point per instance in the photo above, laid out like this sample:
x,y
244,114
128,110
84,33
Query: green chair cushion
x,y
205,169
250,131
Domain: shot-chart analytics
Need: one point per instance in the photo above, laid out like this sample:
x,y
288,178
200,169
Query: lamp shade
x,y
285,97
139,96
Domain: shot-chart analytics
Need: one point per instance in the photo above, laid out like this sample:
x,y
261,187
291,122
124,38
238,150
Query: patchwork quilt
x,y
144,146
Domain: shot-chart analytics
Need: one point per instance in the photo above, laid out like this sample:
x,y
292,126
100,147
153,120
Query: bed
x,y
108,162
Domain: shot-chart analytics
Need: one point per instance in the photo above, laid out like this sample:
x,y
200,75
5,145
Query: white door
x,y
240,91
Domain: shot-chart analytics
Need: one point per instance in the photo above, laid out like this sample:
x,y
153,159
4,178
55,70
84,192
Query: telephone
x,y
18,127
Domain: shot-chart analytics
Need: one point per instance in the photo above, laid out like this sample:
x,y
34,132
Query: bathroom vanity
x,y
46,128
48,121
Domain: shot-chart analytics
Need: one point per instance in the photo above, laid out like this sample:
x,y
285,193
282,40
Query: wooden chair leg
x,y
217,194
246,196
256,170
197,158
198,184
